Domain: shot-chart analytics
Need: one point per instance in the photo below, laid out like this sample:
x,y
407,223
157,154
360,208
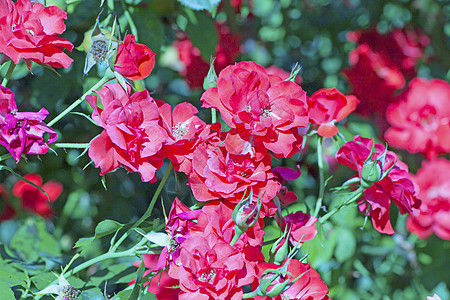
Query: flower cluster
x,y
381,64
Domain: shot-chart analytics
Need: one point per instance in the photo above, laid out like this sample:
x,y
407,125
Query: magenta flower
x,y
22,132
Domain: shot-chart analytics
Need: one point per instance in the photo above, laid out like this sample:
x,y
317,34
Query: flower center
x,y
99,50
179,131
208,276
70,292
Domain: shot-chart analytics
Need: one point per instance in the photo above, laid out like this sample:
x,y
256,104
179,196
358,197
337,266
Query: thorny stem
x,y
11,67
321,176
351,199
147,213
102,81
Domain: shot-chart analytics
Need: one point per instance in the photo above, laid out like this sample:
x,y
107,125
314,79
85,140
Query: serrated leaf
x,y
106,227
208,5
200,26
83,242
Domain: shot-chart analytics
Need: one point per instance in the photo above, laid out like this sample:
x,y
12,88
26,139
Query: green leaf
x,y
33,241
200,26
92,294
124,295
6,291
10,278
43,280
107,227
209,5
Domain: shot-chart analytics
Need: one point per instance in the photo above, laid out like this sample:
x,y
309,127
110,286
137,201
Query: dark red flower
x,y
380,65
374,80
160,284
261,108
327,107
195,67
308,286
134,60
403,47
7,210
396,186
30,32
421,120
433,180
22,132
33,199
133,135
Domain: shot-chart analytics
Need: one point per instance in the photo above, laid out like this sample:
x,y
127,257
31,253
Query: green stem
x,y
321,176
5,156
71,145
351,199
102,81
148,212
11,67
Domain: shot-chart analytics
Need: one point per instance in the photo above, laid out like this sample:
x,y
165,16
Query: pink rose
x,y
30,32
132,135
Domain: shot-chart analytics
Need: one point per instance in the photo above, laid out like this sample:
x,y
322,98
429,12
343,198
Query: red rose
x,y
433,180
207,269
30,32
134,60
33,199
219,174
260,107
421,120
396,186
185,132
22,132
133,135
403,47
328,106
373,79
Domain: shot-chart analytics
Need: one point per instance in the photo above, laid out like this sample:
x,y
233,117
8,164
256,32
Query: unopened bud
x,y
371,172
211,78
